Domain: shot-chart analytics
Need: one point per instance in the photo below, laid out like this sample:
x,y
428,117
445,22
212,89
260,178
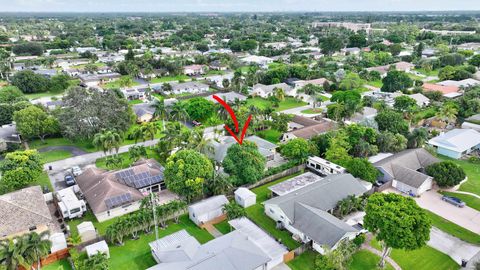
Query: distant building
x,y
194,70
307,128
189,87
456,143
266,91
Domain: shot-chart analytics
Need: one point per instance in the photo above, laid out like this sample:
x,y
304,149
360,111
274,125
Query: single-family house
x,y
246,248
134,93
262,61
114,193
456,143
221,145
366,114
317,82
219,79
189,87
472,122
405,171
92,80
265,91
144,112
350,51
229,97
193,70
217,65
400,66
305,208
420,99
306,128
245,197
450,91
24,211
208,210
466,83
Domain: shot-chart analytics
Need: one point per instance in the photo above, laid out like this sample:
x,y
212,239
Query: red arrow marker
x,y
235,121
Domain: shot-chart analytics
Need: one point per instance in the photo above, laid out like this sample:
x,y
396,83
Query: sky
x,y
233,5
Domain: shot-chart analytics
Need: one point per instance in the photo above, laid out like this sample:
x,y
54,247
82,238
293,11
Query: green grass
x,y
38,144
425,258
366,260
215,72
135,101
429,73
170,78
312,111
98,64
33,96
270,135
473,172
100,226
257,214
136,255
376,83
424,114
258,102
453,229
58,265
469,200
54,155
116,83
262,103
305,261
43,180
223,227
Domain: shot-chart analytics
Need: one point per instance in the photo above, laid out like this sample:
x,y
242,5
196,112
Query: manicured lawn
x,y
312,111
38,144
288,103
55,155
429,73
471,201
366,260
43,180
135,101
215,72
98,64
58,265
170,78
101,227
126,161
453,229
306,261
426,258
116,84
270,135
473,172
33,96
377,83
136,255
223,227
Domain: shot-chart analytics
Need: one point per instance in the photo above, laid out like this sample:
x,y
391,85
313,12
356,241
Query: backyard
x,y
270,135
286,104
170,78
58,265
256,214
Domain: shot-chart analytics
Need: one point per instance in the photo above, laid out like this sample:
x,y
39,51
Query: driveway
x,y
466,217
457,249
58,168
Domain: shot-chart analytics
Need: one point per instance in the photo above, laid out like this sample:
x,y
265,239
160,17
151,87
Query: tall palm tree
x,y
150,130
107,141
12,253
279,93
38,247
197,141
137,134
178,112
160,111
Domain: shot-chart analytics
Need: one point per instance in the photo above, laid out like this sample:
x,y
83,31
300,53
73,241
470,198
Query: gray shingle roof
x,y
322,227
323,194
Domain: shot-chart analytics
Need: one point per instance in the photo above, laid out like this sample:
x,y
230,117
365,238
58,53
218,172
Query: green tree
x,y
35,122
107,141
389,142
446,173
199,108
233,210
397,222
59,83
19,169
29,82
363,169
297,150
136,152
475,60
405,104
244,163
186,171
331,44
392,121
396,81
10,94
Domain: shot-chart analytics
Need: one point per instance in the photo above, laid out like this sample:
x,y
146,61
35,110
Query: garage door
x,y
405,188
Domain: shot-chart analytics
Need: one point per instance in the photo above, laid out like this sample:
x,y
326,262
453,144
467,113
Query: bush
x,y
359,240
446,173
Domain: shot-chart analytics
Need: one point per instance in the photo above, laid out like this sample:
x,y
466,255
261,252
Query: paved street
x,y
57,172
457,249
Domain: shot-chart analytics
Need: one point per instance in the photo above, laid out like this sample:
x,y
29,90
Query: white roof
x,y
97,247
379,157
420,99
465,83
58,242
207,205
457,140
85,226
244,193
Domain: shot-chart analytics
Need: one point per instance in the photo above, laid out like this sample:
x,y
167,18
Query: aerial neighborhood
x,y
240,141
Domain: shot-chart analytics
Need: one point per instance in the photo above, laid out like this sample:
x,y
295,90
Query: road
x,y
58,168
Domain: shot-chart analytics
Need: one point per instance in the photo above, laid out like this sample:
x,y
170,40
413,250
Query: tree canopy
x,y
244,163
446,173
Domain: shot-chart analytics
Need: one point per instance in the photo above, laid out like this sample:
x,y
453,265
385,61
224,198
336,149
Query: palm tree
x,y
417,138
160,111
279,93
137,134
219,184
150,130
12,253
38,247
447,113
233,210
198,142
107,141
178,112
74,239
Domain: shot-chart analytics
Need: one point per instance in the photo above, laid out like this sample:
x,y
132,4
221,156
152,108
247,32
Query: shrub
x,y
359,240
446,173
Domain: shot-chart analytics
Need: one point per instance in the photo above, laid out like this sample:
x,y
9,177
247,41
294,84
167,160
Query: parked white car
x,y
76,171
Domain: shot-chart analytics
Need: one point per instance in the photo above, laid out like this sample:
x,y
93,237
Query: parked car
x,y
452,200
69,180
196,123
76,171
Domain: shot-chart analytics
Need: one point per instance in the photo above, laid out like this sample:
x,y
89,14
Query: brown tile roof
x,y
310,131
304,121
20,210
440,88
98,185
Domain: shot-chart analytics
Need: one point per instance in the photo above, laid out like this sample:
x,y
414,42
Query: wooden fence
x,y
51,258
276,176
